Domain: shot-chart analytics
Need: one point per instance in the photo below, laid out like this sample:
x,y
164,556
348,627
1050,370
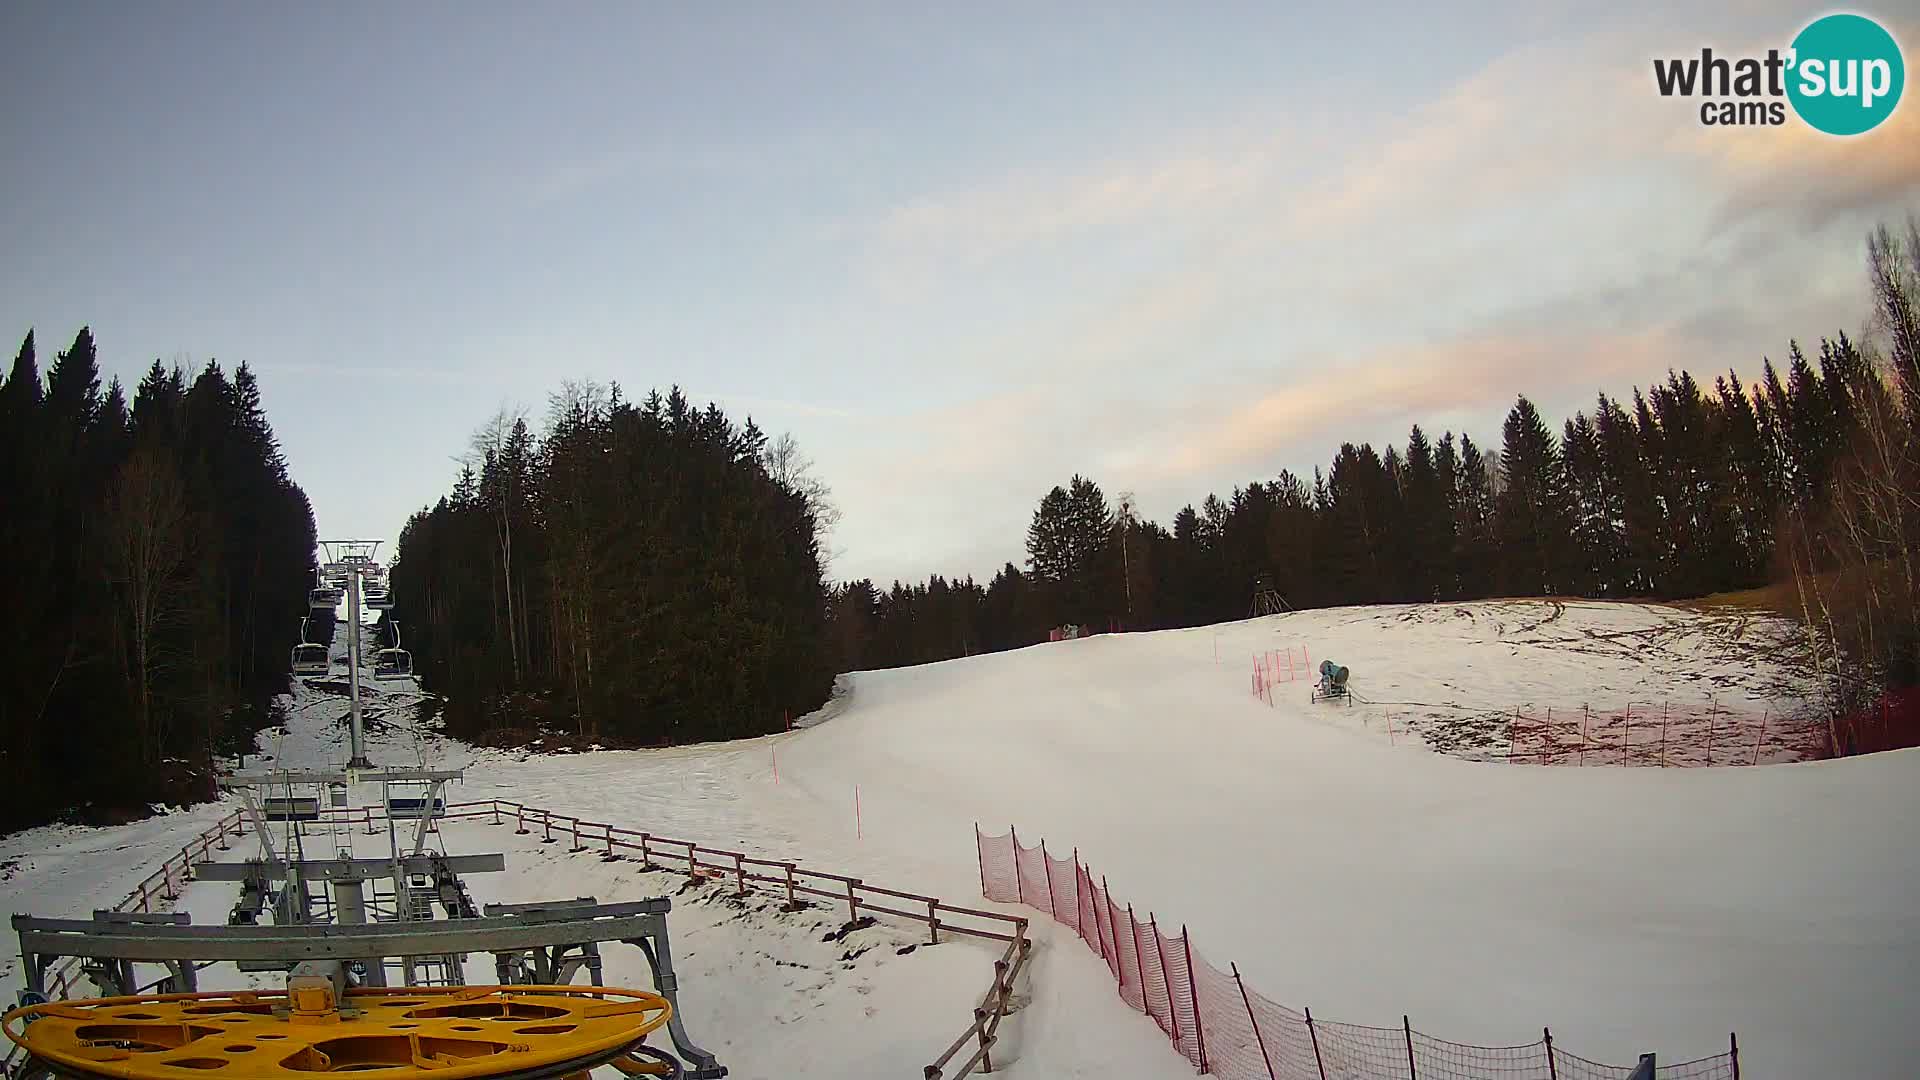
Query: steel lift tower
x,y
339,946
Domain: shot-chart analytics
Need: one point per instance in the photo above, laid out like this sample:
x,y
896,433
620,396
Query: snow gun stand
x,y
338,943
1332,684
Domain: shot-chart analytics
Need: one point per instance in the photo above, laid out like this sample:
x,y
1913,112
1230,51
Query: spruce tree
x,y
1532,516
1475,551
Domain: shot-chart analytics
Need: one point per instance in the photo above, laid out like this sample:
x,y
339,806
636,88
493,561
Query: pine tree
x,y
1632,512
1429,521
1593,568
1749,493
1531,514
1475,550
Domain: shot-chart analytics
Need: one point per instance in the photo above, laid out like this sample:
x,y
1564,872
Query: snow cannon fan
x,y
1333,683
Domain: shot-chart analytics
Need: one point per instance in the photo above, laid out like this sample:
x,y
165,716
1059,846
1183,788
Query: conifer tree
x,y
1531,516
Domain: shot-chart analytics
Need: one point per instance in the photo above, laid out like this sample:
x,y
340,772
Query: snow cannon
x,y
1333,683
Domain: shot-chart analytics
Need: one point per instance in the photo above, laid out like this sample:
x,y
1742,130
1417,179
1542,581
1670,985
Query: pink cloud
x,y
1410,382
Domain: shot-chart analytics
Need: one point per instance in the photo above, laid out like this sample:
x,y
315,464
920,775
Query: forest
x,y
158,558
650,572
1808,478
639,574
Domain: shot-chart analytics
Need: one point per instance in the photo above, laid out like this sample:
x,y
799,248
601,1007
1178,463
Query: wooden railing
x,y
784,877
792,880
986,1019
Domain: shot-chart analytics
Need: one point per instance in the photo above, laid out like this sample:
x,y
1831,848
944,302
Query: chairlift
x,y
379,599
324,598
290,808
310,659
408,800
392,664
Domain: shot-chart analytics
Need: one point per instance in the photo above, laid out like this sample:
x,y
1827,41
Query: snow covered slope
x,y
1630,909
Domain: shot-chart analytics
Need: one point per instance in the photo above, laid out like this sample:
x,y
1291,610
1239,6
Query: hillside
x,y
1357,872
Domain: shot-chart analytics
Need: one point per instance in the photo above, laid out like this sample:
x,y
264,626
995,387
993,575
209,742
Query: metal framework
x,y
354,559
1267,600
565,933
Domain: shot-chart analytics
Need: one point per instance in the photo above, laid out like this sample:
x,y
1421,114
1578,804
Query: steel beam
x,y
74,937
349,869
282,777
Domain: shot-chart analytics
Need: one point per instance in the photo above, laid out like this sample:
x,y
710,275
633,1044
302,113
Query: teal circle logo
x,y
1846,74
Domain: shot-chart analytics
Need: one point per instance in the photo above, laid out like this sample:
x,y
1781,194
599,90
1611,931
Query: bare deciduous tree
x,y
493,443
147,547
792,469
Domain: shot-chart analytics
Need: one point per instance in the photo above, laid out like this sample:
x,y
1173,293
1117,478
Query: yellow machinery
x,y
447,1033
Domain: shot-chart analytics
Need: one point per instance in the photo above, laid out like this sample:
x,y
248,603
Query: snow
x,y
1630,909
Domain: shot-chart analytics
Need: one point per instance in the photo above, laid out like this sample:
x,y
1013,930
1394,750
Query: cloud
x,y
966,227
1325,406
1811,178
1548,225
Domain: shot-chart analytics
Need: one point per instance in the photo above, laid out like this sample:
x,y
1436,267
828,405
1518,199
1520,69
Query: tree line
x,y
158,558
1680,489
635,574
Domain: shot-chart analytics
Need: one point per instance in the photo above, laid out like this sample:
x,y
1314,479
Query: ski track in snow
x,y
1629,909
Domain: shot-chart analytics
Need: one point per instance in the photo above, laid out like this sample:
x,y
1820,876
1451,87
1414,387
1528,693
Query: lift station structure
x,y
373,946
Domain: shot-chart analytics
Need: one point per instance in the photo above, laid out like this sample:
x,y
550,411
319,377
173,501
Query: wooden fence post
x,y
1019,884
519,820
610,856
1166,980
980,856
740,873
1047,864
496,810
980,1025
1193,988
1261,1040
1406,1025
933,922
1113,929
853,903
1733,1047
576,833
1553,1068
792,903
646,857
1139,963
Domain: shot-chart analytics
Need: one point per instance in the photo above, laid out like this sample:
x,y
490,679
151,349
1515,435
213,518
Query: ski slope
x,y
1630,909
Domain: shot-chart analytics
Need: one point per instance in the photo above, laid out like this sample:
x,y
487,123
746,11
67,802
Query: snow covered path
x,y
1630,909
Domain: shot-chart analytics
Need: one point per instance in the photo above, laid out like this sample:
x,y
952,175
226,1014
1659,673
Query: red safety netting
x,y
1661,734
1063,886
1275,667
1225,1028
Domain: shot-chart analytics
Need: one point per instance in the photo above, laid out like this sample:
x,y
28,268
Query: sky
x,y
960,254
